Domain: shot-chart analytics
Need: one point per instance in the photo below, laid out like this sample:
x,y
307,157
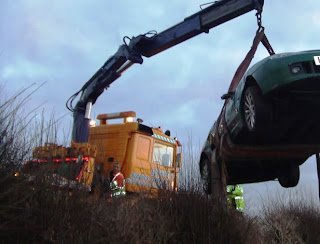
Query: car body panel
x,y
275,71
299,93
271,74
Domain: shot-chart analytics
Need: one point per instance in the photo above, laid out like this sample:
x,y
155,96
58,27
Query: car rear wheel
x,y
205,171
256,111
290,176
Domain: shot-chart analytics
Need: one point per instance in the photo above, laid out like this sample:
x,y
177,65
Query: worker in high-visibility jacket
x,y
117,182
235,197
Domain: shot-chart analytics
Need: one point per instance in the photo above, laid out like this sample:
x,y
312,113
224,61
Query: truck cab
x,y
149,158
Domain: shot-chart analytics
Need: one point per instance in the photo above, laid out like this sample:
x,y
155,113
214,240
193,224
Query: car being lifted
x,y
269,124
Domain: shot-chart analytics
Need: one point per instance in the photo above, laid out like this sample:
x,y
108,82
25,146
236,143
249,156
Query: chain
x,y
259,15
259,20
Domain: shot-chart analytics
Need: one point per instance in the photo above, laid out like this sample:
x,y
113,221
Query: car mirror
x,y
227,95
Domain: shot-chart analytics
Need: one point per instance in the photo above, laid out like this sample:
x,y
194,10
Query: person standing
x,y
117,182
235,197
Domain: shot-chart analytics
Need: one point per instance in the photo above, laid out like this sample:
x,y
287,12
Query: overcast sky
x,y
65,42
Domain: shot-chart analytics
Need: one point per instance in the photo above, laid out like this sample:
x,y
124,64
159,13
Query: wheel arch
x,y
251,81
265,118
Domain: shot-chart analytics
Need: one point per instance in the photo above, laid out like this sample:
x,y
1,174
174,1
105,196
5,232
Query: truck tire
x,y
290,176
206,174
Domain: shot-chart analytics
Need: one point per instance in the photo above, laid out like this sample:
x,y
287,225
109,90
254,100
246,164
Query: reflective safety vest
x,y
235,197
117,186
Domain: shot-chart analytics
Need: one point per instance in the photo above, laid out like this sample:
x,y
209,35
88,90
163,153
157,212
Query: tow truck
x,y
92,143
132,52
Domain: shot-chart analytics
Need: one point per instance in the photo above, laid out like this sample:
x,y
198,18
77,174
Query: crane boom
x,y
145,45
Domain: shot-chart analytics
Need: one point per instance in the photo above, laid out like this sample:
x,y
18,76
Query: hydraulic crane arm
x,y
145,45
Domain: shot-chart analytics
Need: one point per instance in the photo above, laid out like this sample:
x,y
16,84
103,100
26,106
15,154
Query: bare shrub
x,y
22,129
174,218
14,144
38,212
189,175
292,222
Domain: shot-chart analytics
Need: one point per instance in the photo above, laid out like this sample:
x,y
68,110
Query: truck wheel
x,y
290,176
205,172
256,111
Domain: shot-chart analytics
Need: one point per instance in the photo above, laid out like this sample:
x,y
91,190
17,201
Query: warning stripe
x,y
163,138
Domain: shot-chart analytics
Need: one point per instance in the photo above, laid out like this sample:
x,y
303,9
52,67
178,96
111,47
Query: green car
x,y
270,124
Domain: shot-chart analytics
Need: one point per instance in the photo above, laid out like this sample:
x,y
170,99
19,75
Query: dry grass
x,y
39,213
292,221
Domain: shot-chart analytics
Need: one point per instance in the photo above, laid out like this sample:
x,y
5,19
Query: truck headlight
x,y
128,120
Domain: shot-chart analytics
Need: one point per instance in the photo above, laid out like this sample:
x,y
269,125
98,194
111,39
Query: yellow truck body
x,y
150,159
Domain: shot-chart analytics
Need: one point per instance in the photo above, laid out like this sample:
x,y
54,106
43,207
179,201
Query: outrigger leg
x,y
318,170
218,181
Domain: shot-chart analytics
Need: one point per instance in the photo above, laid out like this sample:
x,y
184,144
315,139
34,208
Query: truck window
x,y
163,154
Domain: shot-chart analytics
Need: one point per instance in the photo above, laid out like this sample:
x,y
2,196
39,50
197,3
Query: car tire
x,y
290,176
205,172
256,111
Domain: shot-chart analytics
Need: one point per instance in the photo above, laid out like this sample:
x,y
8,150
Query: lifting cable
x,y
259,37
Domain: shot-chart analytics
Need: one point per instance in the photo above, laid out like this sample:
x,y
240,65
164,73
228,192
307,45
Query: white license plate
x,y
317,60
